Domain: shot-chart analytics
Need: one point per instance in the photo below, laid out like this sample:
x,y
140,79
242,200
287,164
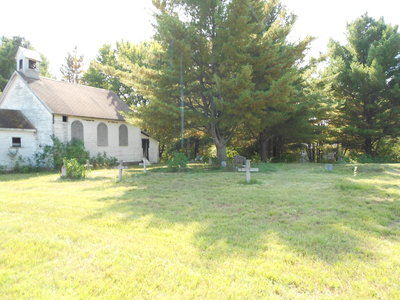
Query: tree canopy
x,y
231,60
73,68
8,50
230,67
363,79
111,62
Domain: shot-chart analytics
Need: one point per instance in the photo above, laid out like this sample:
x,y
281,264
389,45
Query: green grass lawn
x,y
299,232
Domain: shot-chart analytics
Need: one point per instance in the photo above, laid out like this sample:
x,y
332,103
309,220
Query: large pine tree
x,y
231,60
363,77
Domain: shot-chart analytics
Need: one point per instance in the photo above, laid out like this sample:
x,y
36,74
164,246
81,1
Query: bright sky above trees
x,y
56,27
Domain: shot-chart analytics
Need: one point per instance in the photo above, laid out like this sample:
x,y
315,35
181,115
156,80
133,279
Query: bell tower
x,y
28,62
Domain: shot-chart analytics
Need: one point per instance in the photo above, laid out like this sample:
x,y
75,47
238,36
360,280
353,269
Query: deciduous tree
x,y
8,50
73,69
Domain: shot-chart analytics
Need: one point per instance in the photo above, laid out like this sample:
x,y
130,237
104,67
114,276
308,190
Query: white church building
x,y
34,108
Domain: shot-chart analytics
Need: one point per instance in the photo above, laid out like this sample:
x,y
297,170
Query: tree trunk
x,y
368,146
220,143
274,148
196,147
263,139
161,151
221,150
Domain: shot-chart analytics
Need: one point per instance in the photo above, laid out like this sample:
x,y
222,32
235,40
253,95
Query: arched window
x,y
102,135
123,135
77,131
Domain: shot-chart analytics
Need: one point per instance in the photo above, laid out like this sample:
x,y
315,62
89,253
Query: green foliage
x,y
178,162
104,70
103,161
363,81
75,170
229,59
72,70
367,159
20,164
287,158
44,67
8,50
53,156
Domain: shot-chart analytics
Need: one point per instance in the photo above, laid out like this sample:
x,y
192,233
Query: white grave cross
x,y
248,170
145,164
120,168
63,171
88,166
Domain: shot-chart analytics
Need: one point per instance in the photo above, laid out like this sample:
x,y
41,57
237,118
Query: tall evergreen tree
x,y
222,54
72,70
363,77
44,67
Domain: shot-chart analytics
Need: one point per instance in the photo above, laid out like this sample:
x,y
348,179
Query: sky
x,y
55,27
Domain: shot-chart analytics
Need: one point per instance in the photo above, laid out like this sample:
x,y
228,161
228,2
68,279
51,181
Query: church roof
x,y
65,98
14,119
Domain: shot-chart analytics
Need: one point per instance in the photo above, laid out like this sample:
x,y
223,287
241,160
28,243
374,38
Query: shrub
x,y
103,161
366,159
75,170
53,156
178,162
287,158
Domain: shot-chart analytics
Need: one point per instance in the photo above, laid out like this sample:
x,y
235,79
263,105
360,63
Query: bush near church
x,y
74,169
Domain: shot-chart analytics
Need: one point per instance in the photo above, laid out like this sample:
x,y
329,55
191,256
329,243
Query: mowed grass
x,y
299,232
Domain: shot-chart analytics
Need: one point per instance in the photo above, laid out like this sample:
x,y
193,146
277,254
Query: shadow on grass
x,y
89,179
240,219
23,176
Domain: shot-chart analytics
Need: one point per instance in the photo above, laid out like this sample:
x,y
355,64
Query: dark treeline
x,y
247,90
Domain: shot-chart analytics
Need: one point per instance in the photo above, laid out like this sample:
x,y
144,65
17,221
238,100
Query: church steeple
x,y
28,62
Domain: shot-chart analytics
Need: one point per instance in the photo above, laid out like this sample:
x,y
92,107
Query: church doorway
x,y
146,146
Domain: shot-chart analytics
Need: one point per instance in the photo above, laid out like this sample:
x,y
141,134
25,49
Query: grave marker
x,y
120,168
88,166
63,171
248,170
145,164
355,171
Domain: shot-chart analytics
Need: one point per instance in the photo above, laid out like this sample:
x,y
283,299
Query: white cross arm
x,y
121,167
251,170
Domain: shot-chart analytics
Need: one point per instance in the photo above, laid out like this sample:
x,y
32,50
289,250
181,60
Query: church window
x,y
65,119
123,135
102,135
32,64
77,131
21,63
16,142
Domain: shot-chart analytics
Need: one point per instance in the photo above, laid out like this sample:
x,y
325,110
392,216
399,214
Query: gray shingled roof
x,y
77,100
14,119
